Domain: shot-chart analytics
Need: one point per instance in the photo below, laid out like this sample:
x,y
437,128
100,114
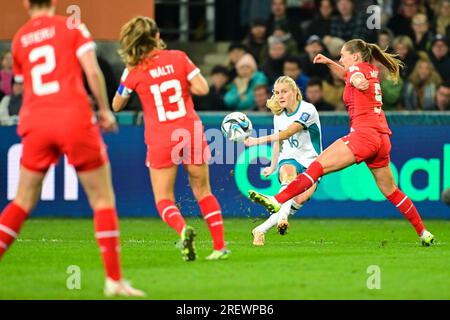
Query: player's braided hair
x,y
138,38
273,104
371,51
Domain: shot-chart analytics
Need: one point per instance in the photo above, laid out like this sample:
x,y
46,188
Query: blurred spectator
x,y
349,24
10,105
333,90
420,89
280,16
403,46
281,32
293,69
442,19
443,97
261,93
313,47
334,46
256,40
385,40
392,91
214,100
6,74
321,24
400,23
440,57
240,96
273,67
252,10
422,35
236,51
314,93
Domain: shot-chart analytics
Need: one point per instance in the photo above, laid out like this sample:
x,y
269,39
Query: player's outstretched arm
x,y
276,137
199,85
336,68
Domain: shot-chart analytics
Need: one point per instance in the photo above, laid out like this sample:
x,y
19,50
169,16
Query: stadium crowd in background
x,y
277,39
285,44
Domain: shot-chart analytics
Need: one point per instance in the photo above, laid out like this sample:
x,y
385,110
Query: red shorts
x,y
186,151
370,146
44,144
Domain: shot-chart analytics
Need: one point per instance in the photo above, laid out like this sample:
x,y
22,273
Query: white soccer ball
x,y
236,126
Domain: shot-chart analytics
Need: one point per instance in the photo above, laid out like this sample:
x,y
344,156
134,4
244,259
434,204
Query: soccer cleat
x,y
121,288
258,238
426,238
283,226
271,204
187,243
219,255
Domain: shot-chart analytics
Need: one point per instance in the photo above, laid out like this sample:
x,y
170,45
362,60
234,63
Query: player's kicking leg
x,y
98,186
210,209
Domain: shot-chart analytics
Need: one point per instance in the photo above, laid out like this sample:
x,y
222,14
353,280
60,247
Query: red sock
x,y
107,233
171,215
302,183
212,213
407,208
11,222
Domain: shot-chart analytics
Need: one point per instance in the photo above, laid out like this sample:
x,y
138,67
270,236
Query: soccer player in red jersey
x,y
164,81
368,140
55,119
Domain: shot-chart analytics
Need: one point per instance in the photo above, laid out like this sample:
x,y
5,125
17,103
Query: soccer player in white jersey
x,y
297,142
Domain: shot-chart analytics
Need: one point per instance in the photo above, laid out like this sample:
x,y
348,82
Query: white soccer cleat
x,y
426,238
121,288
219,255
259,238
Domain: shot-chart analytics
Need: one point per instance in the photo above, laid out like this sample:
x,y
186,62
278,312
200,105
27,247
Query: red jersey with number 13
x,y
364,107
162,82
45,52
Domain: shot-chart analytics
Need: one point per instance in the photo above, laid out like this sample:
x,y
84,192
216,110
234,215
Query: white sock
x,y
284,210
269,223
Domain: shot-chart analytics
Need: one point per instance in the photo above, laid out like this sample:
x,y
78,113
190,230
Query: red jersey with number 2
x,y
364,107
163,84
45,52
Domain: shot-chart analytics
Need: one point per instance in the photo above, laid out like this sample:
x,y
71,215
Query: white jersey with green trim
x,y
305,145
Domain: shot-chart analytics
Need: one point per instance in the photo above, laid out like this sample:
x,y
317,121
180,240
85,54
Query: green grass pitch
x,y
317,259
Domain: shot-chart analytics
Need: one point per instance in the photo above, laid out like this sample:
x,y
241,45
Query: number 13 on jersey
x,y
157,91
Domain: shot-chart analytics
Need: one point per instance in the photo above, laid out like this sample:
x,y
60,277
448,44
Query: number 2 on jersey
x,y
177,98
39,87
